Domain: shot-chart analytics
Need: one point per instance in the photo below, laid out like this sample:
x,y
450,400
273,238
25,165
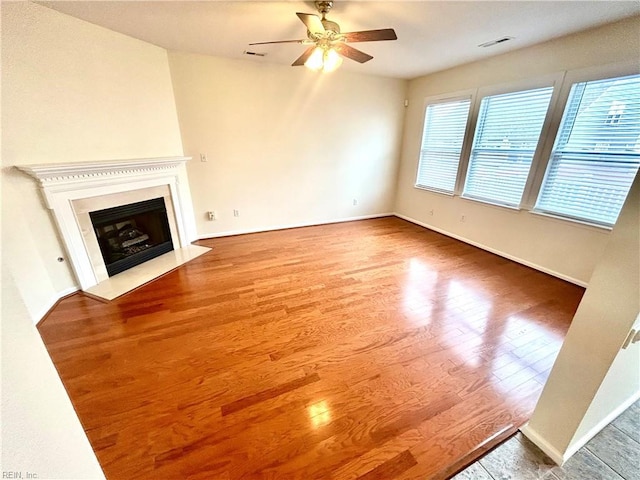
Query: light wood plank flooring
x,y
366,350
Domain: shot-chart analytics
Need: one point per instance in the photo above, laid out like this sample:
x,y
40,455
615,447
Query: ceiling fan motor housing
x,y
330,26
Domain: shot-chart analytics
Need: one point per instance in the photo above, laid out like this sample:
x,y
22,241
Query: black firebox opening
x,y
132,234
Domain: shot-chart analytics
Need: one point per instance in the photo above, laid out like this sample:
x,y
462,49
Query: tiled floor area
x,y
613,454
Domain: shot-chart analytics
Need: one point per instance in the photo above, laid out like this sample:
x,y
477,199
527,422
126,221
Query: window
x,y
504,144
444,127
596,153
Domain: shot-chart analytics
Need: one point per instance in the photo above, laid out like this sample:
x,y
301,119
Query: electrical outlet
x,y
355,201
463,218
236,213
203,157
431,212
211,215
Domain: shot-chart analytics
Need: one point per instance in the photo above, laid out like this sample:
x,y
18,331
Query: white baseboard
x,y
543,445
582,441
497,252
229,233
52,301
576,445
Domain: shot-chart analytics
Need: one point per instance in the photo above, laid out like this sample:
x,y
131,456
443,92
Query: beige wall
x,y
285,146
41,433
566,249
71,92
619,389
593,380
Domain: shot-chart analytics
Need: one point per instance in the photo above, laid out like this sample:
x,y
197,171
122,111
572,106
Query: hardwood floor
x,y
366,350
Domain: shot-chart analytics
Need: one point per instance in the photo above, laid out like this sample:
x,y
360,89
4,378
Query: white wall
x,y
285,146
592,380
71,92
569,250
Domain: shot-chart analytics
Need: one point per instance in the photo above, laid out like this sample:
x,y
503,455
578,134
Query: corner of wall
x,y
544,445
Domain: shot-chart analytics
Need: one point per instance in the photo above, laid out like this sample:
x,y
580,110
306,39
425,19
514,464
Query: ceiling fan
x,y
328,44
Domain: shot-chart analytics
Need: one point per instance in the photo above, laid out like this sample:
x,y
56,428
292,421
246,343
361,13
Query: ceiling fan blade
x,y
371,35
279,41
304,57
313,23
352,53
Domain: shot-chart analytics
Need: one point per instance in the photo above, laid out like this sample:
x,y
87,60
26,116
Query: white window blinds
x,y
596,153
505,141
444,127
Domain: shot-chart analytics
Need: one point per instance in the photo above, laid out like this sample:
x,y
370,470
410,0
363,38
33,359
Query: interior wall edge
x,y
508,256
544,445
577,444
559,457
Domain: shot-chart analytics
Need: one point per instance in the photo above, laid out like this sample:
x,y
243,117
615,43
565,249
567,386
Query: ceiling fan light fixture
x,y
316,60
332,60
325,59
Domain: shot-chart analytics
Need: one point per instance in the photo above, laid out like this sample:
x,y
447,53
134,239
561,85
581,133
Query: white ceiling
x,y
432,35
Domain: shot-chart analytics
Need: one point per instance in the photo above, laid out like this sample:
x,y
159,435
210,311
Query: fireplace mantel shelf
x,y
64,172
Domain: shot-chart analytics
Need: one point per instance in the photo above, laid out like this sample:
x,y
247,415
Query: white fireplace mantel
x,y
66,185
58,177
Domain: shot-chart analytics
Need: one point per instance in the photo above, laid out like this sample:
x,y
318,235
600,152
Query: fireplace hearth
x,y
129,235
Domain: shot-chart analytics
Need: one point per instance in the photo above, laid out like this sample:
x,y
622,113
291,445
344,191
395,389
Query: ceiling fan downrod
x,y
324,8
332,28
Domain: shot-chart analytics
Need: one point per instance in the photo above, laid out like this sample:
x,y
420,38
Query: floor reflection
x,y
319,414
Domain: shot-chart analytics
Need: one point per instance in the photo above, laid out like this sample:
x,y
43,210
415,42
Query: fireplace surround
x,y
75,191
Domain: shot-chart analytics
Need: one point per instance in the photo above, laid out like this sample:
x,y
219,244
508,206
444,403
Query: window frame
x,y
502,187
446,98
571,77
562,82
554,80
595,160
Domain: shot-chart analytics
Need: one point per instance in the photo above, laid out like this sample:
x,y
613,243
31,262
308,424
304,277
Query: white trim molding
x,y
43,312
63,184
559,457
615,413
545,446
229,233
73,173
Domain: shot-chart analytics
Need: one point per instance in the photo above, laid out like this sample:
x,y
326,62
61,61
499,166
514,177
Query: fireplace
x,y
115,214
129,235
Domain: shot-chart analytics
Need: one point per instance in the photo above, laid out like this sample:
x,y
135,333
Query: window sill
x,y
492,204
434,190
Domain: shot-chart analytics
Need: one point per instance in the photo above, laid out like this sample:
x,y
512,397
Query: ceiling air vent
x,y
495,42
